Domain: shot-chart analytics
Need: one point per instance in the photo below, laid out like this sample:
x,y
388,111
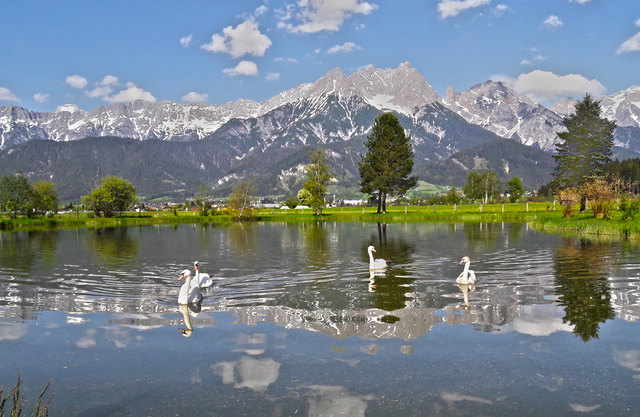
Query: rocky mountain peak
x,y
497,107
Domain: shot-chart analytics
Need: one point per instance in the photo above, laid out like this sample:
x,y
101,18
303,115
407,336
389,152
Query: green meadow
x,y
541,216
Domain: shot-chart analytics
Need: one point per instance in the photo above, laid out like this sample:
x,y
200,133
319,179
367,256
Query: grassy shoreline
x,y
541,216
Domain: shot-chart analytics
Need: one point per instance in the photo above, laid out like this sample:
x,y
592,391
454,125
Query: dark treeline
x,y
628,170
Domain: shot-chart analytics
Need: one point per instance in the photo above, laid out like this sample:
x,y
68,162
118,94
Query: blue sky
x,y
97,53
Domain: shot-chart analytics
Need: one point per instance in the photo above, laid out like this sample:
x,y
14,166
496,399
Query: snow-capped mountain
x,y
401,90
623,107
500,109
494,106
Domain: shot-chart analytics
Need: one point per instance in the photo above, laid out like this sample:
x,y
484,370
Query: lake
x,y
297,325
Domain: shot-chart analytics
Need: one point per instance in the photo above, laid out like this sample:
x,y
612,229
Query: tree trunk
x,y
384,202
583,204
379,202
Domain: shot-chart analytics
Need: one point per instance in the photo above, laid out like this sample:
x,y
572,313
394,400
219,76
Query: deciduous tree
x,y
514,189
113,195
240,198
318,178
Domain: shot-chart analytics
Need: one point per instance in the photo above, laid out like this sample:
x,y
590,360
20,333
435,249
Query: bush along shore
x,y
542,216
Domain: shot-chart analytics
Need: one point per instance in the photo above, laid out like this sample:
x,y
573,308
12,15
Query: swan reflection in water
x,y
372,279
188,311
466,288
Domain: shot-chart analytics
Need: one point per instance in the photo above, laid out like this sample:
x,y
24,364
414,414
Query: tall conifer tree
x,y
585,147
386,166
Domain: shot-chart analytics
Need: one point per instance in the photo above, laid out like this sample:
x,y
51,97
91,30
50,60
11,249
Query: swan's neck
x,y
466,266
371,262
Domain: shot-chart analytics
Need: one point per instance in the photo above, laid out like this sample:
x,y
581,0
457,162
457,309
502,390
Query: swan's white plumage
x,y
189,291
375,263
203,280
467,276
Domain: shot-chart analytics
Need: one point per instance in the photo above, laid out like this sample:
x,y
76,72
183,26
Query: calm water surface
x,y
296,324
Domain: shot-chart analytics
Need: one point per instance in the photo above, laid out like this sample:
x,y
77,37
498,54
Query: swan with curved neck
x,y
375,263
467,276
189,291
203,280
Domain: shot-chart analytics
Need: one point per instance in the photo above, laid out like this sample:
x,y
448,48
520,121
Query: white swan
x,y
467,276
203,280
375,263
189,291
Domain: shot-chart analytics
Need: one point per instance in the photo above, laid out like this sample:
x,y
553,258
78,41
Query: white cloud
x,y
76,81
243,68
286,60
553,21
244,39
41,97
452,8
630,45
131,93
260,11
186,40
109,80
579,1
637,23
529,61
500,9
322,15
7,95
273,76
193,97
545,86
100,91
344,48
365,67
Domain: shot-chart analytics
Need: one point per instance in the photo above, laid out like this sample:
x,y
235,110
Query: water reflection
x,y
299,327
187,311
316,244
335,401
248,372
582,269
114,245
313,276
21,250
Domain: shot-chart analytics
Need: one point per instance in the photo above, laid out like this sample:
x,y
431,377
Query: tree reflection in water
x,y
20,250
390,288
316,243
113,244
581,270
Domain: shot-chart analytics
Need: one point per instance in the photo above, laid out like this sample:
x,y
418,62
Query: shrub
x,y
601,195
568,198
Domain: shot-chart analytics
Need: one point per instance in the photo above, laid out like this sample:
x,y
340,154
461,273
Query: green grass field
x,y
541,216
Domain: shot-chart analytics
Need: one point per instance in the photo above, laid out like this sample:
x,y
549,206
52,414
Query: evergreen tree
x,y
386,167
585,147
318,178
